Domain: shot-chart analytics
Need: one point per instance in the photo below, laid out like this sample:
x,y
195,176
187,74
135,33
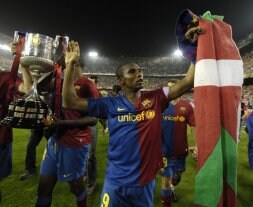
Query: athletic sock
x,y
166,197
43,201
81,199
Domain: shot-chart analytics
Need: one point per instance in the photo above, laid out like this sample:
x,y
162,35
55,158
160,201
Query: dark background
x,y
119,28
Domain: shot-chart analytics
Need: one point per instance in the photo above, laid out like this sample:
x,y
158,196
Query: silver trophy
x,y
40,54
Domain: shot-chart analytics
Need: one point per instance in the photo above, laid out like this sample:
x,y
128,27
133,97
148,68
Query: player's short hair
x,y
119,70
94,77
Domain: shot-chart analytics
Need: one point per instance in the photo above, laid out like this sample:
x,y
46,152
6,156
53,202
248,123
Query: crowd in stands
x,y
155,66
157,70
248,64
245,41
5,63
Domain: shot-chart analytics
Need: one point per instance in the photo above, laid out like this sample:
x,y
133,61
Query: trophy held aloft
x,y
39,56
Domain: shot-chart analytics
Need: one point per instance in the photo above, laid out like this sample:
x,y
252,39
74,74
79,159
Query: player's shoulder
x,y
183,101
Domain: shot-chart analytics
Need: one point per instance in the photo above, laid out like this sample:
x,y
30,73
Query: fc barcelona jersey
x,y
78,137
174,129
135,150
6,132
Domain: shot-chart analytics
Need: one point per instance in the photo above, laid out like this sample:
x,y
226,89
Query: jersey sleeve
x,y
98,107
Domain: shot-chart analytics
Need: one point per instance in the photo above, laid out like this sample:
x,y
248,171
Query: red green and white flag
x,y
217,95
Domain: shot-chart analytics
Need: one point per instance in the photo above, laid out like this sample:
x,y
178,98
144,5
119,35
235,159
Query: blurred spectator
x,y
249,130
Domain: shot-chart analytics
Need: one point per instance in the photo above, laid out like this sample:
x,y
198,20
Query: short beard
x,y
138,88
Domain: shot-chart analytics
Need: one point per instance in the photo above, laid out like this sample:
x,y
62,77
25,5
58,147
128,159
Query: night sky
x,y
119,28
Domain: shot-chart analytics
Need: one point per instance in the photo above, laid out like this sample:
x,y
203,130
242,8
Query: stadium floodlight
x,y
93,54
5,47
178,53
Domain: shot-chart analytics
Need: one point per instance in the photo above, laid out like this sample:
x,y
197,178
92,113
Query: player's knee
x,y
76,188
44,191
45,187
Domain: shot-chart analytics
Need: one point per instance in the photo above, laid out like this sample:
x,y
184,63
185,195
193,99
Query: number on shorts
x,y
106,200
44,154
165,161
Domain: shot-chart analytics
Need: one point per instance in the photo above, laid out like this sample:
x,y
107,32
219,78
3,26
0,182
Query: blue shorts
x,y
66,163
172,166
250,151
5,160
138,196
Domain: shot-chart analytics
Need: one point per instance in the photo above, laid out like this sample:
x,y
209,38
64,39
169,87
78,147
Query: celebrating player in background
x,y
36,134
134,122
92,159
175,119
6,134
249,130
66,154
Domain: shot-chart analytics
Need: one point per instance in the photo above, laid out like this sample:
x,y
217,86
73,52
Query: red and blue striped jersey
x,y
174,129
135,147
77,137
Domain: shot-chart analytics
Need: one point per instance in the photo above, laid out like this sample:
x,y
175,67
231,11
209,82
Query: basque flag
x,y
217,95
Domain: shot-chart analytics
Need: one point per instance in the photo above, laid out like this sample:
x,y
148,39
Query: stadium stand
x,y
157,70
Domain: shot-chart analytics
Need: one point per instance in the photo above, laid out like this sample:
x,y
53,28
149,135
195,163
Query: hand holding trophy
x,y
40,56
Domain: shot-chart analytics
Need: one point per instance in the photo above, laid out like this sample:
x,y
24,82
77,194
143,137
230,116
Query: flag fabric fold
x,y
217,96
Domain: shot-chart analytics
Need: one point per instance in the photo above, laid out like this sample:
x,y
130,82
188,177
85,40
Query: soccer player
x,y
175,119
6,135
67,150
249,130
134,122
92,160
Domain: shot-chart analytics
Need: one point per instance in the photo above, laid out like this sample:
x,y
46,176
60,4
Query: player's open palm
x,y
73,53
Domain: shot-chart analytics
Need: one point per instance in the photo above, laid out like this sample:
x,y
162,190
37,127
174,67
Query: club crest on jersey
x,y
146,103
182,109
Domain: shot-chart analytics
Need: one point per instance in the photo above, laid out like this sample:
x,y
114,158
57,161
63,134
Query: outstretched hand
x,y
193,33
194,152
73,53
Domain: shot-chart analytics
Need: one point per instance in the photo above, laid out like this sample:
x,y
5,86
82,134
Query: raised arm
x,y
26,85
187,83
184,85
70,100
